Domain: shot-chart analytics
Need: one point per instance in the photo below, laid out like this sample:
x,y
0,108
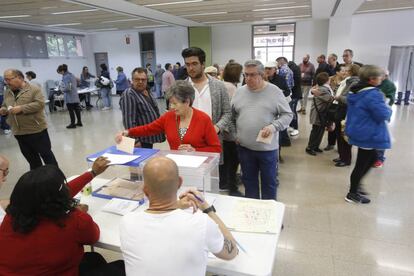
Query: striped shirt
x,y
139,110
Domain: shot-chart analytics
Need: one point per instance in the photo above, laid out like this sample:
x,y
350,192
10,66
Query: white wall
x,y
169,43
45,69
311,38
231,42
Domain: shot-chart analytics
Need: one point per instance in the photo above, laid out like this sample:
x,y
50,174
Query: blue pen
x,y
198,198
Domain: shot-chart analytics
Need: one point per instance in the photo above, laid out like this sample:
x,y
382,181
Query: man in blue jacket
x,y
366,127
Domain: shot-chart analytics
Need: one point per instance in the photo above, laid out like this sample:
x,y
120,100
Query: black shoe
x,y
310,152
318,150
89,105
79,124
223,187
328,148
71,126
341,164
357,198
336,160
236,193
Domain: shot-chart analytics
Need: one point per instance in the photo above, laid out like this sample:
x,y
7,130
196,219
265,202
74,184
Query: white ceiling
x,y
103,15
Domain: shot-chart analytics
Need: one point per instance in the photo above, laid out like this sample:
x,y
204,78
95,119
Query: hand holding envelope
x,y
265,135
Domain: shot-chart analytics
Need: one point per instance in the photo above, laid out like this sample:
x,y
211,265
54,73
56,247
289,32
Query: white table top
x,y
260,248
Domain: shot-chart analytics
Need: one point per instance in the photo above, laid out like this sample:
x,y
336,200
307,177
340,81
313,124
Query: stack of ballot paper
x,y
120,206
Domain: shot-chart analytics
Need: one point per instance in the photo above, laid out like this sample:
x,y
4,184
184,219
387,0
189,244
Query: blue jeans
x,y
158,90
106,96
293,105
3,124
252,162
381,155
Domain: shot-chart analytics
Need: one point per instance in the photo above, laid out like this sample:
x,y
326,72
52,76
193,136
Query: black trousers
x,y
93,264
315,137
364,162
35,148
73,109
344,149
332,136
228,171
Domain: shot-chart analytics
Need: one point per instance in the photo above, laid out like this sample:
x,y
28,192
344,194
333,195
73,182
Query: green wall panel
x,y
201,37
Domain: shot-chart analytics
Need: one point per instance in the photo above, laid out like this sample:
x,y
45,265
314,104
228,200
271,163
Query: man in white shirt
x,y
166,240
4,171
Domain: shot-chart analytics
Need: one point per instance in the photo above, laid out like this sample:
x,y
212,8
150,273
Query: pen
x,y
241,247
198,198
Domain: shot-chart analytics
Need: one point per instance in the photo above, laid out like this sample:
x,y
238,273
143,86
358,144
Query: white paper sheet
x,y
118,159
120,206
126,145
191,161
266,140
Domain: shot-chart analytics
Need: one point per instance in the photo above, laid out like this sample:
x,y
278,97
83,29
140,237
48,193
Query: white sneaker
x,y
294,132
290,129
106,108
7,131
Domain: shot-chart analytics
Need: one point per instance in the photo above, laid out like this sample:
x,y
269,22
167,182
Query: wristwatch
x,y
209,209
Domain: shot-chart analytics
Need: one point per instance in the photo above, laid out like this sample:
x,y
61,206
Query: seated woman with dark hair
x,y
186,128
44,230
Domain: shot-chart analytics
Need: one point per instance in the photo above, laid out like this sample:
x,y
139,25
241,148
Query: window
x,y
273,41
64,45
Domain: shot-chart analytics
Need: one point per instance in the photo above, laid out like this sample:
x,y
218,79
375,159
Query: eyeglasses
x,y
9,79
250,75
5,171
139,80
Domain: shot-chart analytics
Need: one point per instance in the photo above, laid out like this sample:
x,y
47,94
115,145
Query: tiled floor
x,y
323,234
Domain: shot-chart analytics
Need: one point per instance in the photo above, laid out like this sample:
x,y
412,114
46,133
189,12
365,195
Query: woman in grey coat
x,y
68,86
318,115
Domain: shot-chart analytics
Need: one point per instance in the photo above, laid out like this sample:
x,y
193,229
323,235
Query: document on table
x,y
120,206
126,145
118,159
253,216
123,188
191,161
266,140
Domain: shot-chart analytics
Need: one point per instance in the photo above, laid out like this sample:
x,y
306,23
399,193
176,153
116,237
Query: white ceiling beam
x,y
127,8
348,7
322,9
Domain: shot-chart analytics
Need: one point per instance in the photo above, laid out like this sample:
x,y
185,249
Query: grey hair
x,y
255,63
370,71
182,91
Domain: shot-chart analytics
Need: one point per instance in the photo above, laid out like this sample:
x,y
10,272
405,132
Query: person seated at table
x,y
166,240
186,128
4,171
85,79
43,232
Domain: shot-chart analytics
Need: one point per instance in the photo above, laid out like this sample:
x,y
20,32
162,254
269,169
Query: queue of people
x,y
245,124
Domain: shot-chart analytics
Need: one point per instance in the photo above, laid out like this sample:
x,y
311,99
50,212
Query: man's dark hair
x,y
194,52
167,65
179,64
322,56
139,70
103,67
349,51
283,58
31,74
322,78
62,68
232,72
40,194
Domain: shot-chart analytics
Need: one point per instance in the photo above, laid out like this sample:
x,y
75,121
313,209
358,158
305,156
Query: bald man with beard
x,y
167,240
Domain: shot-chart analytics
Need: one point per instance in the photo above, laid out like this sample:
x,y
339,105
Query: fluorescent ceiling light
x,y
274,4
14,16
391,9
285,17
64,24
49,7
77,11
106,29
122,20
281,8
149,26
223,21
201,14
173,3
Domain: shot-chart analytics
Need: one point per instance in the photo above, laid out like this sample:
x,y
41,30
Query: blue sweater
x,y
366,119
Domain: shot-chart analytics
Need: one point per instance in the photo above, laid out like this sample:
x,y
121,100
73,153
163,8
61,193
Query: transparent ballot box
x,y
198,169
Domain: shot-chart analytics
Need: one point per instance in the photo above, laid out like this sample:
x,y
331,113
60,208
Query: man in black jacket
x,y
296,96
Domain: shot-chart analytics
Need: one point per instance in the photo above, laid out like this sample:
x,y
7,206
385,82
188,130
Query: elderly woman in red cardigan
x,y
186,128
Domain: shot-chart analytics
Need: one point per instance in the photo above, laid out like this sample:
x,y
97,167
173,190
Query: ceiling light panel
x,y
385,6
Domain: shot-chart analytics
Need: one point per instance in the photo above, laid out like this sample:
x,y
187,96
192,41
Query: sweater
x,y
253,110
48,249
388,88
366,125
201,134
